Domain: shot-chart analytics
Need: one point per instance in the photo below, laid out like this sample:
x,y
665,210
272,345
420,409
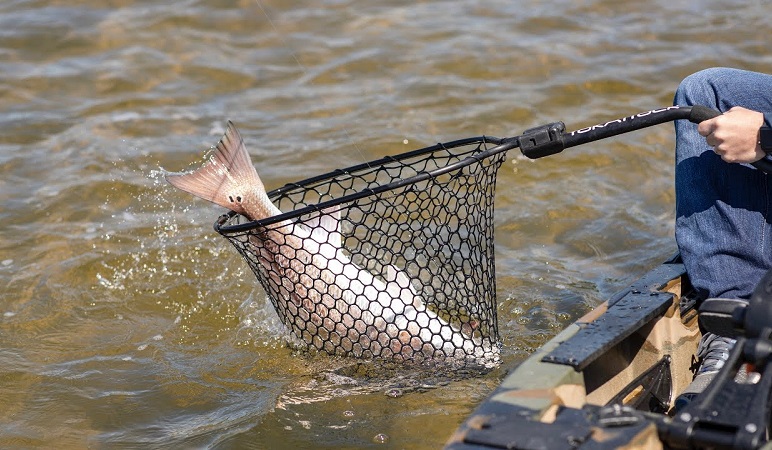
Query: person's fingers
x,y
706,127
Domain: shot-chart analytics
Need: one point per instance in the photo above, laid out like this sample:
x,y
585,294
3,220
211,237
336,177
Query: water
x,y
126,322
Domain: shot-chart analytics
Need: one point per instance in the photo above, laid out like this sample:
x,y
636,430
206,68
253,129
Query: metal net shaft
x,y
392,259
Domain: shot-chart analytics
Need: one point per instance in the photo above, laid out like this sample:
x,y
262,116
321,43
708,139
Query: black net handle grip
x,y
552,138
702,113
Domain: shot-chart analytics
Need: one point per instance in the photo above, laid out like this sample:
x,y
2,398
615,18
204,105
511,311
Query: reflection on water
x,y
126,322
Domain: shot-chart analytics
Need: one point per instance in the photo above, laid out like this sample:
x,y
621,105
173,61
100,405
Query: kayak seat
x,y
721,316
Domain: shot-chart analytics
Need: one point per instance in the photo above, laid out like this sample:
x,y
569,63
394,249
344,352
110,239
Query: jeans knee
x,y
700,88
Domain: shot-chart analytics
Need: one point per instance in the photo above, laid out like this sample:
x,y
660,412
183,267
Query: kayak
x,y
590,386
610,379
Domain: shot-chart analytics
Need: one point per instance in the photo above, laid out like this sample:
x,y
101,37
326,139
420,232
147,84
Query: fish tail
x,y
228,179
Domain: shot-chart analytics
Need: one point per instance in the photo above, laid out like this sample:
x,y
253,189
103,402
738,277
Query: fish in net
x,y
391,259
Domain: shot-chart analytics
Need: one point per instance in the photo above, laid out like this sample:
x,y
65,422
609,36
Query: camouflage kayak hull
x,y
593,384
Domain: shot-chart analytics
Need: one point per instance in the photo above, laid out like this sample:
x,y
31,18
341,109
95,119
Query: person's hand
x,y
734,135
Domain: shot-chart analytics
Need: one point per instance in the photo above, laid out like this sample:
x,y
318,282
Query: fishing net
x,y
391,259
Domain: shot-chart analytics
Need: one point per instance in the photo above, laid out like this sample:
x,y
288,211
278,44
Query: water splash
x,y
159,251
260,326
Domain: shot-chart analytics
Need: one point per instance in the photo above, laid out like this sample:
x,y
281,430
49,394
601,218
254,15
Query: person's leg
x,y
723,211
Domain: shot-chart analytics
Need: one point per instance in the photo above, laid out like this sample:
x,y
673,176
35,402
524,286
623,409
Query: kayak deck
x,y
635,351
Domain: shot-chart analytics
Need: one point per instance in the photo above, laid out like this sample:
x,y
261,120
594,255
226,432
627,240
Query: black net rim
x,y
501,145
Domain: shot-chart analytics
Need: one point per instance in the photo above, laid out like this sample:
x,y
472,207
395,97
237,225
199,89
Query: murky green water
x,y
126,322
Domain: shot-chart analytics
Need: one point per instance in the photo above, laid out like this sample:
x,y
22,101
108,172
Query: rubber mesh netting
x,y
392,259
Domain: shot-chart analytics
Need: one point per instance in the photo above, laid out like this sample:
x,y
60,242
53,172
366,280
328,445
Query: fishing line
x,y
305,73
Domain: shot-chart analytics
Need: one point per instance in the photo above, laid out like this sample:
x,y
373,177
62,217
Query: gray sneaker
x,y
712,353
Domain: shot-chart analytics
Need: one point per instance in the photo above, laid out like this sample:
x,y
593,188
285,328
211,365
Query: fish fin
x,y
227,179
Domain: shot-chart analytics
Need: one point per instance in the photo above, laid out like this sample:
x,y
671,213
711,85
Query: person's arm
x,y
734,135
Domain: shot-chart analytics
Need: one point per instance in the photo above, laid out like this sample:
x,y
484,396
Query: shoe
x,y
712,353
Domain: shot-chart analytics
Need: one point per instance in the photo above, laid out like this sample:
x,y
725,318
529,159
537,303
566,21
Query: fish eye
x,y
230,197
238,199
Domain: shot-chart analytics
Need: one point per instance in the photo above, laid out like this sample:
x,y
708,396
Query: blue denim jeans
x,y
723,211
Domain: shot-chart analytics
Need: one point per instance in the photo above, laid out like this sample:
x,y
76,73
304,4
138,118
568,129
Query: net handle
x,y
552,138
